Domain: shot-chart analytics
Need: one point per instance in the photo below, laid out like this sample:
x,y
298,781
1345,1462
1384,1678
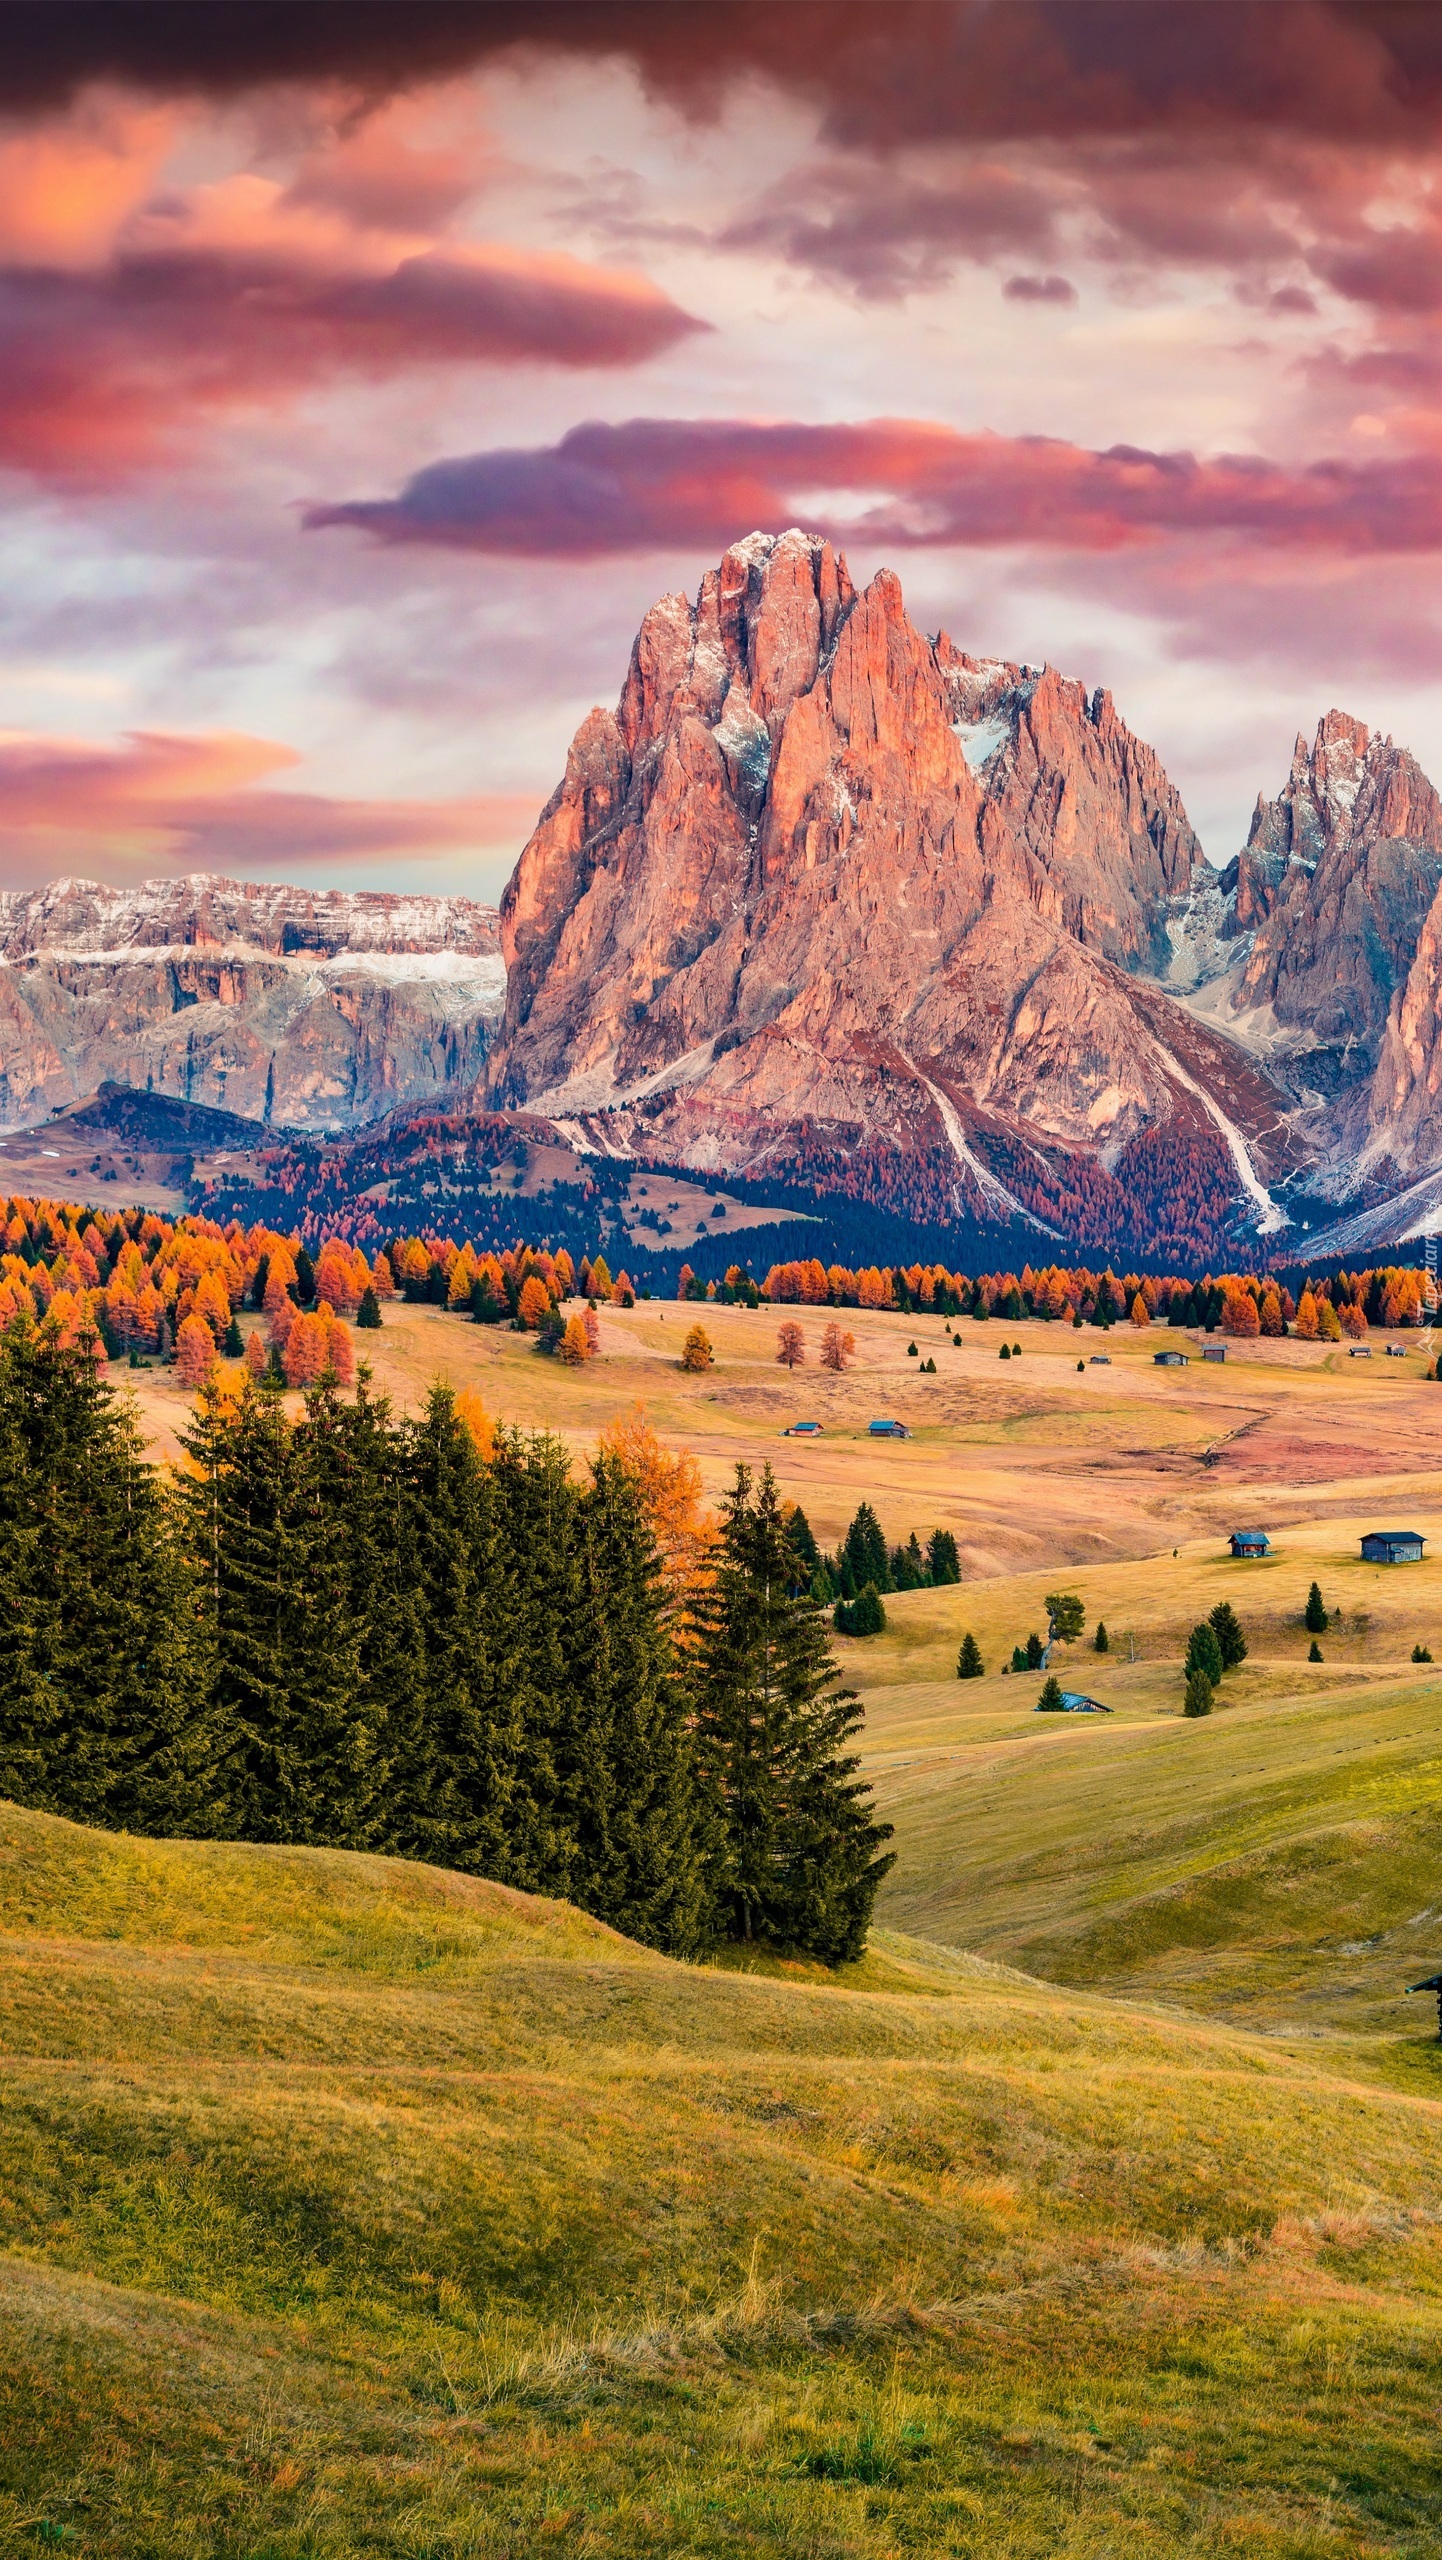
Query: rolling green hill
x,y
352,2207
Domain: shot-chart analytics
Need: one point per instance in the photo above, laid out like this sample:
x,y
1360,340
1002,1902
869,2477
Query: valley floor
x,y
349,2207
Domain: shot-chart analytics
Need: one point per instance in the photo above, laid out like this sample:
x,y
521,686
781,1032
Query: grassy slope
x,y
1277,1863
351,2207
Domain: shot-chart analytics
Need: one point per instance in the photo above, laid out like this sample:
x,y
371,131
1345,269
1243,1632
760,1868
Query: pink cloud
x,y
658,484
153,310
199,801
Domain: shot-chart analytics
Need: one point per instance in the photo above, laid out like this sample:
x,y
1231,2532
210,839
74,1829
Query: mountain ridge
x,y
307,1009
820,883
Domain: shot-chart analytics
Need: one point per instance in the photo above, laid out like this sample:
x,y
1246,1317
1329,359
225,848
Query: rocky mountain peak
x,y
1335,880
823,882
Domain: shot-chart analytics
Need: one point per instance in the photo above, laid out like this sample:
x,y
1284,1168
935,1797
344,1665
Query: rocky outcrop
x,y
1336,880
1404,1102
819,870
302,1010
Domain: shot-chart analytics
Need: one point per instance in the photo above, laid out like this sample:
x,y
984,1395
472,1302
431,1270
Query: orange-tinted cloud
x,y
100,373
127,308
198,802
679,483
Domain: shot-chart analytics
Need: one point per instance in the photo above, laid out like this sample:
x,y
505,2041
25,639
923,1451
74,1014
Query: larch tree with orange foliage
x,y
838,1348
535,1304
194,1352
672,1497
790,1346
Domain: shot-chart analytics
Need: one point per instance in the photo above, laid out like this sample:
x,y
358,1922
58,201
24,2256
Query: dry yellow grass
x,y
351,2208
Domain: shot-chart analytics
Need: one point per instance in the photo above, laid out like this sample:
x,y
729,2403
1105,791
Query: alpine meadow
x,y
720,1329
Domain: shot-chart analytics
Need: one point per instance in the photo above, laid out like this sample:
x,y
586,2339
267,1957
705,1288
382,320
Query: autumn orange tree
x,y
669,1489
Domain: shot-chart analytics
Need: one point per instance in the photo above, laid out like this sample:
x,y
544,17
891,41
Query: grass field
x,y
352,2208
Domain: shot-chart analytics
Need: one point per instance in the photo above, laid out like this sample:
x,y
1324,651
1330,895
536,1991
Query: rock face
x,y
822,882
1335,881
1404,1100
305,1011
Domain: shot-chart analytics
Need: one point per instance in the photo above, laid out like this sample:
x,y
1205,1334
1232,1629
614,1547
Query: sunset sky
x,y
364,375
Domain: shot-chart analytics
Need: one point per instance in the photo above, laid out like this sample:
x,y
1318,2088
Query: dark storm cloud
x,y
910,70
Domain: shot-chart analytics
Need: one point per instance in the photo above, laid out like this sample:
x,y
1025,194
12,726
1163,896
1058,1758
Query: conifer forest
x,y
352,1630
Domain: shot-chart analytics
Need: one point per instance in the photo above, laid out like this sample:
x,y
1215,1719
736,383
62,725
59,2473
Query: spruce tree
x,y
296,1735
800,1536
368,1313
942,1558
1197,1698
799,1856
459,1789
1050,1701
1204,1653
865,1551
626,1772
101,1687
1314,1616
1230,1639
1101,1641
969,1664
532,1597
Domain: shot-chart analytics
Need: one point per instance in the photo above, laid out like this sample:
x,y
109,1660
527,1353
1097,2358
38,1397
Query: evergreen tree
x,y
533,1595
368,1313
908,1566
1101,1641
1049,1703
304,1278
800,1857
234,1343
1197,1698
101,1686
458,1746
1314,1616
865,1550
969,1664
800,1538
1231,1642
863,1616
1204,1653
1314,1651
296,1735
942,1558
1031,1660
1018,1659
626,1771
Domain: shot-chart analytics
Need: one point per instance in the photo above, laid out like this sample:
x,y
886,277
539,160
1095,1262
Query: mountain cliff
x,y
311,1011
1336,880
826,897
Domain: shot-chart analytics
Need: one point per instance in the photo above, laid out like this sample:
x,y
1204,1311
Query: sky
x,y
366,372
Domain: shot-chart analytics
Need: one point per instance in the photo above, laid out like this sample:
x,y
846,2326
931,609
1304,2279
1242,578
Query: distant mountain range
x,y
288,1007
829,907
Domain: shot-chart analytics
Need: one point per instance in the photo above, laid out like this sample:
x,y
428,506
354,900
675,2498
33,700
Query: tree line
x,y
357,1630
